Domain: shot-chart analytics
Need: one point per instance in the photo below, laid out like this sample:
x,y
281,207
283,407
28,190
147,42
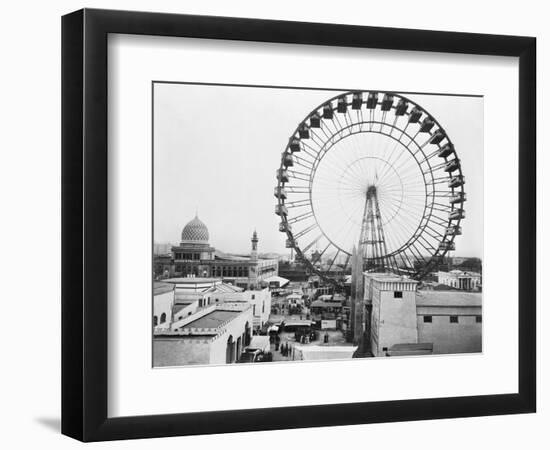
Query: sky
x,y
216,150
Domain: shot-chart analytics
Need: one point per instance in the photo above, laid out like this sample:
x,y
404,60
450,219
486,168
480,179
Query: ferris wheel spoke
x,y
305,231
337,120
300,217
333,260
297,175
399,151
302,163
312,243
443,208
312,149
418,253
297,189
305,150
297,203
425,243
320,255
439,220
439,236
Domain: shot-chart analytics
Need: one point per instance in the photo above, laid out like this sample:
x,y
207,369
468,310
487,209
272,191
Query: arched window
x,y
163,318
155,321
230,351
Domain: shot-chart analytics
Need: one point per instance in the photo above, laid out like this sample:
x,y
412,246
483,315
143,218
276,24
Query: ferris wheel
x,y
372,173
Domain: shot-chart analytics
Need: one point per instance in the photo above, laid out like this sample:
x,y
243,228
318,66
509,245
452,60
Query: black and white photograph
x,y
302,224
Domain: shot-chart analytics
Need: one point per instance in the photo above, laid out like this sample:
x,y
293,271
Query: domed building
x,y
194,257
195,232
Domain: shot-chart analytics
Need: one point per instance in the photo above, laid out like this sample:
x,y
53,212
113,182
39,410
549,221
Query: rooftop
x,y
463,272
412,347
222,287
274,279
215,319
448,298
162,288
229,257
385,277
191,280
324,304
177,308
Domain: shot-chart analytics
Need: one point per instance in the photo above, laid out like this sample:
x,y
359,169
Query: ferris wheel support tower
x,y
372,243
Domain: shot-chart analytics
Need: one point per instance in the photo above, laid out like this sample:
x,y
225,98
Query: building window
x,y
253,296
427,319
478,319
155,321
163,318
397,294
253,310
453,319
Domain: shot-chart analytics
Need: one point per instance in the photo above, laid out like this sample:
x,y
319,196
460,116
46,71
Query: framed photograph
x,y
273,224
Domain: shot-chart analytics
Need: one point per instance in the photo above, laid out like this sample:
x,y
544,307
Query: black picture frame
x,y
84,224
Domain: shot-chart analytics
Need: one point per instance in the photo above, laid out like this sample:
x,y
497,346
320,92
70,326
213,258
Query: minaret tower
x,y
253,274
254,252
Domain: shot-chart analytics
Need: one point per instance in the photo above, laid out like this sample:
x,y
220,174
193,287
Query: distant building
x,y
293,271
276,282
194,257
459,279
326,309
161,248
457,260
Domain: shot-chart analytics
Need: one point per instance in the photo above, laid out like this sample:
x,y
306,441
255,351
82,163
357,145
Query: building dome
x,y
195,232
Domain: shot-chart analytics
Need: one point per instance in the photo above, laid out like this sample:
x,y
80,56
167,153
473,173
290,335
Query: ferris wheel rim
x,y
445,238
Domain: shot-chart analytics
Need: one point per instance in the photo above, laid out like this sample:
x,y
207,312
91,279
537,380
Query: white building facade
x,y
163,304
459,279
216,334
401,316
393,316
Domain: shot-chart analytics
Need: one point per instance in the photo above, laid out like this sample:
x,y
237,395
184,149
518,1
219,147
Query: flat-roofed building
x,y
163,303
451,320
391,301
193,293
326,309
406,320
216,334
259,299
